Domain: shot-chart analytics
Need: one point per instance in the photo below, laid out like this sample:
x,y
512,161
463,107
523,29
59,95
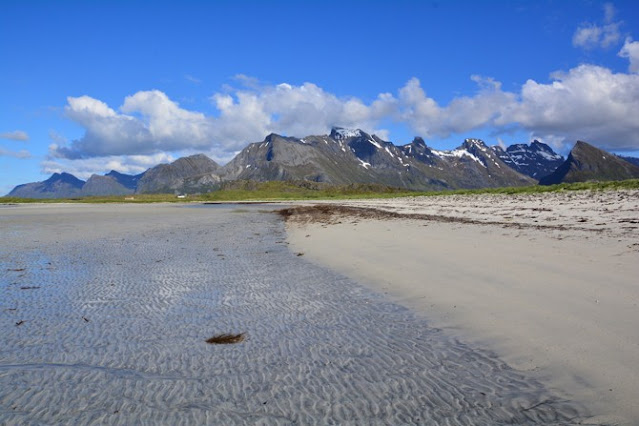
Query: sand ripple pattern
x,y
115,326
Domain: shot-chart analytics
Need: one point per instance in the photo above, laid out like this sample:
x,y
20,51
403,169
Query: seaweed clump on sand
x,y
225,339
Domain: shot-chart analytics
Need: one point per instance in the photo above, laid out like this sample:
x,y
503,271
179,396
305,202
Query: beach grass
x,y
302,190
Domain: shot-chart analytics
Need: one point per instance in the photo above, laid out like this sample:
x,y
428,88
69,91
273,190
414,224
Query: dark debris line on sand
x,y
332,213
225,339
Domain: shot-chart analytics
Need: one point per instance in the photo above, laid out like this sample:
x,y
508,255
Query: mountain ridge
x,y
586,162
344,156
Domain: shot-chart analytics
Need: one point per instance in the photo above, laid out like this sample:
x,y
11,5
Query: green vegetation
x,y
537,189
302,190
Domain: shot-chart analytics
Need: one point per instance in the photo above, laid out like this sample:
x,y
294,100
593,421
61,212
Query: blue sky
x,y
89,86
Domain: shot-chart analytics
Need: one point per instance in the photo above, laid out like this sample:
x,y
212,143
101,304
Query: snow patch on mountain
x,y
459,153
363,163
341,133
372,141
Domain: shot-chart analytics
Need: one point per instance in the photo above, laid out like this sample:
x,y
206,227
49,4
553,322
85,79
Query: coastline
x,y
546,281
108,311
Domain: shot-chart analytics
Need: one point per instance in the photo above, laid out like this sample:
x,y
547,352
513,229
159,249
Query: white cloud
x,y
462,114
22,154
630,50
84,168
149,122
16,135
589,35
587,102
292,110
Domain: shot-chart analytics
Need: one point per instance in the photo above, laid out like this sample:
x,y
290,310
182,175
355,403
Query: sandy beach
x,y
106,311
549,282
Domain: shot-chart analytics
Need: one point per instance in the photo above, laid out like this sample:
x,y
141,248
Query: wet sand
x,y
548,282
106,309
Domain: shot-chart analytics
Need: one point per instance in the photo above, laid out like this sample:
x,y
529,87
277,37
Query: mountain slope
x,y
104,185
585,162
59,185
127,181
535,160
329,159
348,156
353,156
632,160
184,173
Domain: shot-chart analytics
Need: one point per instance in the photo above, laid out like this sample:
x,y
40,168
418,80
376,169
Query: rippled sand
x,y
105,311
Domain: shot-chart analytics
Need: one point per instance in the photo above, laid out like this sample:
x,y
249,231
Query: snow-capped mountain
x,y
344,156
535,160
353,156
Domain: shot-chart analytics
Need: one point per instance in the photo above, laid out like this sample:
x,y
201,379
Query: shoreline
x,y
109,311
554,298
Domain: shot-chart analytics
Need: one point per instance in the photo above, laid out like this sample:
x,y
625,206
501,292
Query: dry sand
x,y
550,282
106,311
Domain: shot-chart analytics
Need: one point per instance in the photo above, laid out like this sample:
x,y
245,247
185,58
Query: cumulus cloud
x,y
149,122
630,50
254,111
462,114
587,102
16,135
589,35
22,154
84,168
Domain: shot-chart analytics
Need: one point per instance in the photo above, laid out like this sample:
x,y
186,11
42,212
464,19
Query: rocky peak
x,y
542,148
586,162
128,181
535,160
271,137
417,149
472,143
194,164
66,178
418,141
340,133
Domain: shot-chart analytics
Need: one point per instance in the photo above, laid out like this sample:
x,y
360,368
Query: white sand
x,y
105,311
551,285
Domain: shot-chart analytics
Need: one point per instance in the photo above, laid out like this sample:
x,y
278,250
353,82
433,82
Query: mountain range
x,y
347,156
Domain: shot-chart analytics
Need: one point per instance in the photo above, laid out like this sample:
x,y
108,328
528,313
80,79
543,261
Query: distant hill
x,y
127,181
59,185
65,185
104,185
535,160
183,174
585,163
632,160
